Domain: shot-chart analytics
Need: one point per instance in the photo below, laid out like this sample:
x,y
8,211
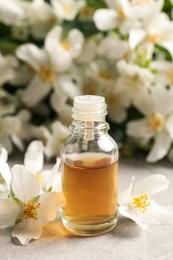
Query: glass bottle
x,y
89,170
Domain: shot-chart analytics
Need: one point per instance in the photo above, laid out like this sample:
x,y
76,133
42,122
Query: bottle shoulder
x,y
102,143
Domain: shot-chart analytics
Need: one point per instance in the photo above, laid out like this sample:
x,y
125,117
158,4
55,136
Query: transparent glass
x,y
89,178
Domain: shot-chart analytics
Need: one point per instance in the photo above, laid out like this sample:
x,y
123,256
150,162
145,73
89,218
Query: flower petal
x,y
6,173
105,19
151,185
34,157
160,148
76,41
52,45
25,231
3,154
128,212
169,125
126,196
50,202
65,83
17,141
156,214
32,55
36,86
51,177
24,184
138,129
135,37
9,212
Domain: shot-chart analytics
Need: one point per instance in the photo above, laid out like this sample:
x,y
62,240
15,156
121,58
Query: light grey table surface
x,y
127,241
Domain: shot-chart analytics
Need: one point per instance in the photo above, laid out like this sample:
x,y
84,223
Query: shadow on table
x,y
126,228
55,230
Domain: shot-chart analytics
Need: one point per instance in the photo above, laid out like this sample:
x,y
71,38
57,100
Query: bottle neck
x,y
89,129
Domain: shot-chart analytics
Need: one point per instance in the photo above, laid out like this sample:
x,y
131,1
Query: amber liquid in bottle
x,y
90,187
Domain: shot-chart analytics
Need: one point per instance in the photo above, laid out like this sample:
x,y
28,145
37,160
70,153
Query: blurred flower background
x,y
51,51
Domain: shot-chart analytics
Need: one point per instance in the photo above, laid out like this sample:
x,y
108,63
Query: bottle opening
x,y
89,108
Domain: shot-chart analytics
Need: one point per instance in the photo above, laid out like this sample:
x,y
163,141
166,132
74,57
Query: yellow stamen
x,y
155,38
170,75
65,45
141,202
155,122
105,74
46,74
120,11
68,9
30,210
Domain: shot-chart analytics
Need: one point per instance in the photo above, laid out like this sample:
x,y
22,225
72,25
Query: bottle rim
x,y
89,108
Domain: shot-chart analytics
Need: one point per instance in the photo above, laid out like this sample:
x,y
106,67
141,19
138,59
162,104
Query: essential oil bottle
x,y
89,170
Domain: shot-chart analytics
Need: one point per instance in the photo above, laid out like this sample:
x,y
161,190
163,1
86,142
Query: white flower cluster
x,y
29,195
120,49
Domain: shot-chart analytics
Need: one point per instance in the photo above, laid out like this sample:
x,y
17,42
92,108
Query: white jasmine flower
x,y
8,64
141,9
67,49
136,202
46,64
13,11
42,18
158,29
67,9
55,138
157,123
117,104
121,14
34,162
28,210
108,19
133,79
103,72
113,48
163,71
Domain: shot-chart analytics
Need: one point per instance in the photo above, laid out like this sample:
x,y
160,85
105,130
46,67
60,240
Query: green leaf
x,y
96,3
161,50
8,46
49,190
88,28
167,8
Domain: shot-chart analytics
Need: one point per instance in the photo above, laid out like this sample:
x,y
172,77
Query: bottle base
x,y
89,230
